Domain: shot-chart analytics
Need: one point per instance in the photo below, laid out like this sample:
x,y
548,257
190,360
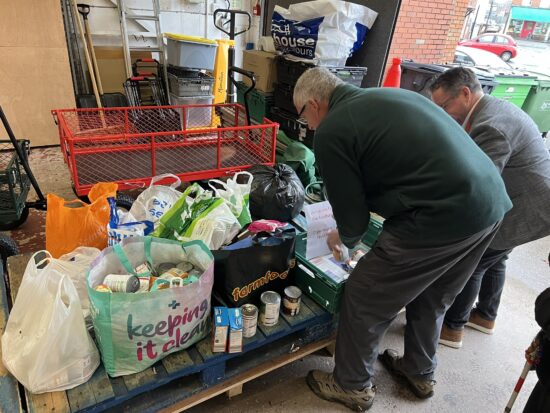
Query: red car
x,y
499,44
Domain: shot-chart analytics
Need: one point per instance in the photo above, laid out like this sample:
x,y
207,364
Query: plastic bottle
x,y
393,79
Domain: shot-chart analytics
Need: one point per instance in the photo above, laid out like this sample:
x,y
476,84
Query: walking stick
x,y
532,357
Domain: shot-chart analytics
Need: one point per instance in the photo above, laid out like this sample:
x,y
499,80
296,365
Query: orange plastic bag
x,y
72,224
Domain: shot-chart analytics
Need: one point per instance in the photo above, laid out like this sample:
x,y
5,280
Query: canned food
x,y
122,283
103,288
185,266
249,313
291,300
269,309
165,266
174,272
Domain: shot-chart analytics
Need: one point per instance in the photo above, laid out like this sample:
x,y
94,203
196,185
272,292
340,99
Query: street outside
x,y
533,56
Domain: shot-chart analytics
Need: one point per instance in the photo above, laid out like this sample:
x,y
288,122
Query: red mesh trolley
x,y
131,145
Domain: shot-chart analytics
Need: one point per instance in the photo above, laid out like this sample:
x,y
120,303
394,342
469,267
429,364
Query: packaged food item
x,y
103,288
160,284
292,300
144,269
235,342
174,272
220,329
144,283
165,266
185,266
249,313
269,309
122,283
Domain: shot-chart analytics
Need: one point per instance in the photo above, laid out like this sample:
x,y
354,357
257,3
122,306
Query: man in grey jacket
x,y
512,141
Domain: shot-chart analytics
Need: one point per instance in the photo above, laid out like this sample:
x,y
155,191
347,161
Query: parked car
x,y
469,56
500,44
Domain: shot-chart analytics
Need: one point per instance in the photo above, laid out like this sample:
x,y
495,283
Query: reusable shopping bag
x,y
244,270
72,224
46,345
135,330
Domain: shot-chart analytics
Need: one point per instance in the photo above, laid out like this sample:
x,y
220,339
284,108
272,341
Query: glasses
x,y
301,120
447,101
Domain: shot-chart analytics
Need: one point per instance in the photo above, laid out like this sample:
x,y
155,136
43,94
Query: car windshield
x,y
483,58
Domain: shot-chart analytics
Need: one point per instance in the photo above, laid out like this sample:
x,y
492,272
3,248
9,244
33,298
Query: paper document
x,y
319,222
331,268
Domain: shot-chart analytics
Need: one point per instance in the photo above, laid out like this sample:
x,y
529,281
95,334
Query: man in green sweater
x,y
393,152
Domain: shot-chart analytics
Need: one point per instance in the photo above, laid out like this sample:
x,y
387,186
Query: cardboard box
x,y
220,329
263,65
235,344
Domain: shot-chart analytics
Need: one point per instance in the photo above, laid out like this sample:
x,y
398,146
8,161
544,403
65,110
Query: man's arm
x,y
493,143
344,186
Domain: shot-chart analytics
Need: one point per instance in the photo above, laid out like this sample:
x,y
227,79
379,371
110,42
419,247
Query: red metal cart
x,y
131,145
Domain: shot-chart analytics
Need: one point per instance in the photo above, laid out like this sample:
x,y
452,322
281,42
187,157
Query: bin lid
x,y
193,39
423,67
542,78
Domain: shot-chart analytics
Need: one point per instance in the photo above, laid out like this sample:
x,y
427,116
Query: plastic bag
x,y
199,216
123,225
322,31
236,193
152,203
135,330
76,265
276,193
71,224
46,345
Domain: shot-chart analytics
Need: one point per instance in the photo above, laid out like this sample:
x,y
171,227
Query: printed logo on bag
x,y
159,207
296,38
242,292
166,335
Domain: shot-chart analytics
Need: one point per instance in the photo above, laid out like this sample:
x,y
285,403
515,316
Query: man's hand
x,y
339,251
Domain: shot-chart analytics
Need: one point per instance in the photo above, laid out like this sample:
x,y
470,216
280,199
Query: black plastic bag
x,y
276,193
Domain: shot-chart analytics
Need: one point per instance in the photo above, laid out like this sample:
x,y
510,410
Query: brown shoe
x,y
479,323
451,338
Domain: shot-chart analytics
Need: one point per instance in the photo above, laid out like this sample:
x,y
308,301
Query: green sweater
x,y
394,152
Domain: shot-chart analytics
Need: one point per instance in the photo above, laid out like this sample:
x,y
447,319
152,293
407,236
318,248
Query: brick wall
x,y
427,31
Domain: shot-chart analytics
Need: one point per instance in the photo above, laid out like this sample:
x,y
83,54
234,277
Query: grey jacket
x,y
512,141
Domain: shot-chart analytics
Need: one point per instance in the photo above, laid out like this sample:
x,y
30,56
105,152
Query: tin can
x,y
185,266
103,288
122,283
269,308
174,272
249,313
292,300
165,266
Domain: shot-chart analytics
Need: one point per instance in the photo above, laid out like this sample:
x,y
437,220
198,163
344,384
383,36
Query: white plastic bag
x,y
152,203
76,265
123,225
46,345
324,32
236,193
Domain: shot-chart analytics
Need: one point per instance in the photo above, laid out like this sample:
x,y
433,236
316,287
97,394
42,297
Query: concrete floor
x,y
477,378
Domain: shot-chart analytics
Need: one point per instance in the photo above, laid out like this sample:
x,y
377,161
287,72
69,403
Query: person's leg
x,y
491,288
457,315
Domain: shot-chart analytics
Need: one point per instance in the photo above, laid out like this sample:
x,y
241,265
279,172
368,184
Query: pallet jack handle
x,y
252,78
232,14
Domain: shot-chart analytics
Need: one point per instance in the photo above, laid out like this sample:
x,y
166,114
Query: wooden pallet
x,y
182,379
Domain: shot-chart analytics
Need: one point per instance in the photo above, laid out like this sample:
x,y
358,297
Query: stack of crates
x,y
190,81
284,112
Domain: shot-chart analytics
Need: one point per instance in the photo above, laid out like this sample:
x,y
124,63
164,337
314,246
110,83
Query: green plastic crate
x,y
537,103
513,88
259,103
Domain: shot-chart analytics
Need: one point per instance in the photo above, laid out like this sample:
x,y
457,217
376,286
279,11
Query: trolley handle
x,y
84,10
232,13
252,78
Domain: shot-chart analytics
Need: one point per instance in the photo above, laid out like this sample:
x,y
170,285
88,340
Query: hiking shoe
x,y
325,387
422,388
479,323
451,338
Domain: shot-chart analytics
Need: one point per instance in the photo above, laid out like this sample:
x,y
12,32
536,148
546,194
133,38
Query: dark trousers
x,y
486,282
396,274
539,400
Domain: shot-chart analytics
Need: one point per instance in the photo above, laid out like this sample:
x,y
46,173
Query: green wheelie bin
x,y
537,103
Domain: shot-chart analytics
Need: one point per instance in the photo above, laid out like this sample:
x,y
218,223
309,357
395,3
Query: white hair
x,y
317,83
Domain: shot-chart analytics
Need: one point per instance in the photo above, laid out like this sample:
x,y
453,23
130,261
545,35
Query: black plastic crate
x,y
418,77
288,72
283,97
291,127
